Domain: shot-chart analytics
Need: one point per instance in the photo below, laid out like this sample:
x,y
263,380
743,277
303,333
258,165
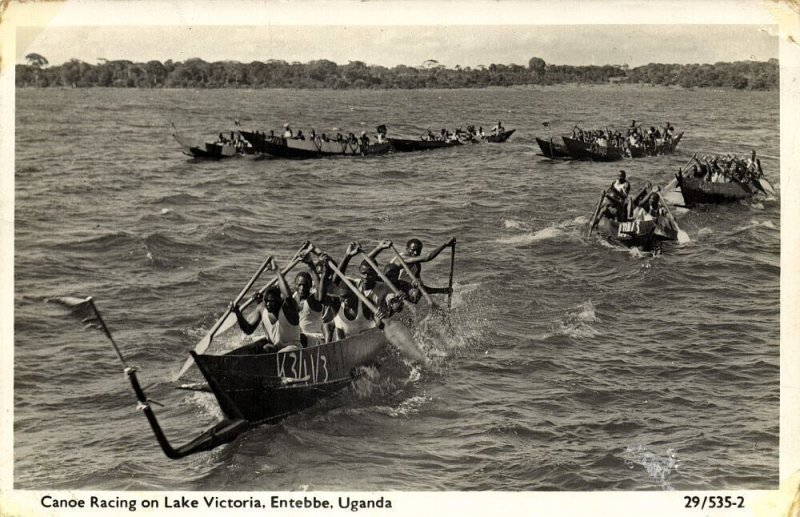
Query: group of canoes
x,y
607,145
645,221
297,145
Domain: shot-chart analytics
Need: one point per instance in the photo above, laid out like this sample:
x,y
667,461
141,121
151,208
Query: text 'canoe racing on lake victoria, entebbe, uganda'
x,y
263,380
291,145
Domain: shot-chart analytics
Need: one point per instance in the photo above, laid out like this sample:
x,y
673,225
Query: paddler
x,y
414,258
351,317
623,188
310,309
278,313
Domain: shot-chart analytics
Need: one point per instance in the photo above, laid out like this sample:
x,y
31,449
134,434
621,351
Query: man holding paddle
x,y
413,258
278,313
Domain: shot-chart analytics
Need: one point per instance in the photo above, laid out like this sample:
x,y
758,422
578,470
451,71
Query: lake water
x,y
570,364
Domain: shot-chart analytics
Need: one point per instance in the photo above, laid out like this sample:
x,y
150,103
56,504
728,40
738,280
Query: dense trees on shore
x,y
196,73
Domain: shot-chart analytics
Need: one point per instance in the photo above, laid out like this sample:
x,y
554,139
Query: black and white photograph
x,y
400,258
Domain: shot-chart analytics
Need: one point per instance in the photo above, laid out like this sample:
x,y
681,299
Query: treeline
x,y
196,73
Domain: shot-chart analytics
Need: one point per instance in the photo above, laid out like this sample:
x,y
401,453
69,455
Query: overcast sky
x,y
465,45
392,32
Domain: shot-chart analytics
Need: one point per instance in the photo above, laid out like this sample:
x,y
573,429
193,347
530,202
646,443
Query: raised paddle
x,y
683,237
766,186
450,281
411,275
203,344
595,213
228,319
396,333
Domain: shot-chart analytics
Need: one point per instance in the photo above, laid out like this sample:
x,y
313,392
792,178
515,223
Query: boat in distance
x,y
410,145
289,148
499,137
580,150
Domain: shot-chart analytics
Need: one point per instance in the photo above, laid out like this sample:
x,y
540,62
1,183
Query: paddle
x,y
674,182
766,186
595,214
396,333
203,344
228,319
450,282
683,237
412,275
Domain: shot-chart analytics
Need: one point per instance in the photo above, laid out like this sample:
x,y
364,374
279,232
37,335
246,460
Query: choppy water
x,y
573,365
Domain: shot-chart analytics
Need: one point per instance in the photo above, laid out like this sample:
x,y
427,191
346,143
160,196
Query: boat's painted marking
x,y
628,228
303,366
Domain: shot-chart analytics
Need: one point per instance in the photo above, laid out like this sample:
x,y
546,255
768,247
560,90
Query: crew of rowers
x,y
459,135
322,308
618,205
236,140
313,136
727,168
651,140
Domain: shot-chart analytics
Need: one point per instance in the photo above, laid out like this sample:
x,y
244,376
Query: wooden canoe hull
x,y
553,148
408,145
262,388
646,235
501,137
696,191
306,149
579,150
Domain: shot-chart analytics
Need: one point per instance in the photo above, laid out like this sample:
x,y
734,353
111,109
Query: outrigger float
x,y
253,387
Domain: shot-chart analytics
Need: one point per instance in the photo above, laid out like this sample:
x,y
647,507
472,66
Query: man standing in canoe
x,y
623,189
278,313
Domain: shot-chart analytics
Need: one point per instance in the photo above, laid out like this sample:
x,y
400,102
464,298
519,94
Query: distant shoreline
x,y
535,87
357,75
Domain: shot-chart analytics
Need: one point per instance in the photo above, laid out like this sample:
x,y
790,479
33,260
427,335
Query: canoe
x,y
500,137
696,191
304,149
263,388
584,151
409,145
210,151
554,149
646,235
641,152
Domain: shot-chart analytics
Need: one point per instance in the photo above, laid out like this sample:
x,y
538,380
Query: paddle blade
x,y
683,237
400,337
766,186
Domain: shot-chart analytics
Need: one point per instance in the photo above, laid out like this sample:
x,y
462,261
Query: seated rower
x,y
278,313
299,135
310,304
287,131
351,316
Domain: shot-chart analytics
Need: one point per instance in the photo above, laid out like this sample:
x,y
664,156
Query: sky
x,y
466,41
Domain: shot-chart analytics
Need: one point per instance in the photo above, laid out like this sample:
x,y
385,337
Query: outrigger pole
x,y
221,433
